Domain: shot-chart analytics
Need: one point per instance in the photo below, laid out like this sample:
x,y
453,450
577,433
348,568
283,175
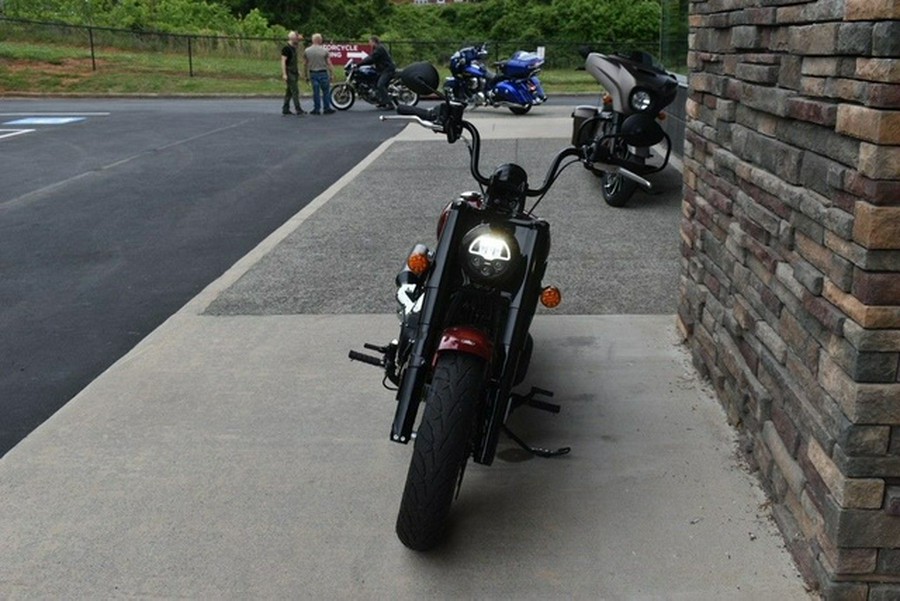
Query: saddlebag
x,y
583,134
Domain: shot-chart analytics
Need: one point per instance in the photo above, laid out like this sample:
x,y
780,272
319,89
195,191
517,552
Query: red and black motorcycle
x,y
465,308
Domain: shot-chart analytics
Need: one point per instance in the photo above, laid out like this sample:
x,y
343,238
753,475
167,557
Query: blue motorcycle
x,y
515,84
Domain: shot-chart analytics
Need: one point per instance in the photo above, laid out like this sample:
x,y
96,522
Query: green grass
x,y
27,67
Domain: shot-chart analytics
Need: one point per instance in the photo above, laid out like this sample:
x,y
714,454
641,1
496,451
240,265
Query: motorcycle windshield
x,y
529,58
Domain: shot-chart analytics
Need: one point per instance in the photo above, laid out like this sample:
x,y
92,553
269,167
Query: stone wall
x,y
676,118
790,288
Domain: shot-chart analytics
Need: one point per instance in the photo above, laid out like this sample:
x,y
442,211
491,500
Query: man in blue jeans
x,y
319,71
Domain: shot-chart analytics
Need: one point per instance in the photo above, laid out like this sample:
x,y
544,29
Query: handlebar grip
x,y
425,114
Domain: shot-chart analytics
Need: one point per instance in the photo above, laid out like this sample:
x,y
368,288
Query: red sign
x,y
341,54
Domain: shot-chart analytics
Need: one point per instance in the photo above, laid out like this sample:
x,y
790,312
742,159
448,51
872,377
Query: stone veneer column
x,y
790,287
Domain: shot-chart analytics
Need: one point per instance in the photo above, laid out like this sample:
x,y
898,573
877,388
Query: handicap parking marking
x,y
44,121
9,133
42,118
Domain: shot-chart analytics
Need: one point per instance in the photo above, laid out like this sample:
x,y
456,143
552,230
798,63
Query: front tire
x,y
342,96
616,189
440,450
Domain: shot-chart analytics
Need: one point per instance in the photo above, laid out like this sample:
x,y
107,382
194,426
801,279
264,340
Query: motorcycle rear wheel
x,y
520,110
342,96
440,450
403,95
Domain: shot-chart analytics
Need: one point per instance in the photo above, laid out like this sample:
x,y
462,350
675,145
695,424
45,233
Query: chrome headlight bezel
x,y
640,100
489,255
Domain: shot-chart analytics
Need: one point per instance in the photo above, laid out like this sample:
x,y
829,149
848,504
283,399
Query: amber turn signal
x,y
661,116
607,99
418,263
551,297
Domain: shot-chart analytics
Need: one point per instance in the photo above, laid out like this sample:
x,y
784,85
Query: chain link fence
x,y
191,55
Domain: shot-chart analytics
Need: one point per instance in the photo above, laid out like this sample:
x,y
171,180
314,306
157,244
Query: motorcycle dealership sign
x,y
341,54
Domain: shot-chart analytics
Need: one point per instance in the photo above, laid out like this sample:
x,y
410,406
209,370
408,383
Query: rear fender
x,y
464,339
538,93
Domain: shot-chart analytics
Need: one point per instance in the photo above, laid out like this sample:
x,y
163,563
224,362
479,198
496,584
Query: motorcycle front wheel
x,y
440,450
342,96
617,189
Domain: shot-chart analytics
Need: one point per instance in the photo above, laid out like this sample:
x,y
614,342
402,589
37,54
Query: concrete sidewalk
x,y
235,453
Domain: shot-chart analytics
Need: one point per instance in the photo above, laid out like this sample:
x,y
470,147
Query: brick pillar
x,y
790,287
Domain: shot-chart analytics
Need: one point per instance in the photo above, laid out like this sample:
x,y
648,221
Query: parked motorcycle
x,y
637,90
465,307
515,86
362,81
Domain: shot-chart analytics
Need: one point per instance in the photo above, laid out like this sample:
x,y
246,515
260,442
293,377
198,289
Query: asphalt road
x,y
111,222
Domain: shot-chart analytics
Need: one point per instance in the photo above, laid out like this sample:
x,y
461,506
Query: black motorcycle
x,y
637,88
465,308
362,81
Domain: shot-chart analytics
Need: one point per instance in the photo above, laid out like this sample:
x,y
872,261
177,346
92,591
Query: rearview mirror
x,y
422,78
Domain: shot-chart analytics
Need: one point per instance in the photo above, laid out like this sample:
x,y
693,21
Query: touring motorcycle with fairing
x,y
465,306
514,85
637,89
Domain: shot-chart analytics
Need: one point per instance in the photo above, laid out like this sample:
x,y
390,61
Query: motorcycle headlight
x,y
489,255
640,100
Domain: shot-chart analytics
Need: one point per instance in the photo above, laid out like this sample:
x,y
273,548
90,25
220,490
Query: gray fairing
x,y
619,75
614,78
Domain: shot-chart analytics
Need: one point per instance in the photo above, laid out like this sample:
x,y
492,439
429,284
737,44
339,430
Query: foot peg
x,y
364,358
530,400
536,451
387,355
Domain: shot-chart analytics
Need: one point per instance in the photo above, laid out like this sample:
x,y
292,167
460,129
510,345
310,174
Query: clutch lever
x,y
436,127
618,169
643,183
598,158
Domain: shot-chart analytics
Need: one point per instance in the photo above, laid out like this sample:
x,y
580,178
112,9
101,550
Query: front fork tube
x,y
518,323
416,374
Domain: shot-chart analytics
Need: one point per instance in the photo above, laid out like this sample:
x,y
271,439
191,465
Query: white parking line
x,y
49,114
44,121
8,133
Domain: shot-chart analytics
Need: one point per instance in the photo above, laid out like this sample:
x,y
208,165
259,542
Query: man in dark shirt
x,y
384,65
290,73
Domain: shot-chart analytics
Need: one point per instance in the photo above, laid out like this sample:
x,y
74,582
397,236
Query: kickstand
x,y
536,451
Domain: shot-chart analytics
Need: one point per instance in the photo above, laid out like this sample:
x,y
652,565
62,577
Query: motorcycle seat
x,y
491,77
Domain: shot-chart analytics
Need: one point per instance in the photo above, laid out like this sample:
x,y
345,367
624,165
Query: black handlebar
x,y
552,172
448,117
